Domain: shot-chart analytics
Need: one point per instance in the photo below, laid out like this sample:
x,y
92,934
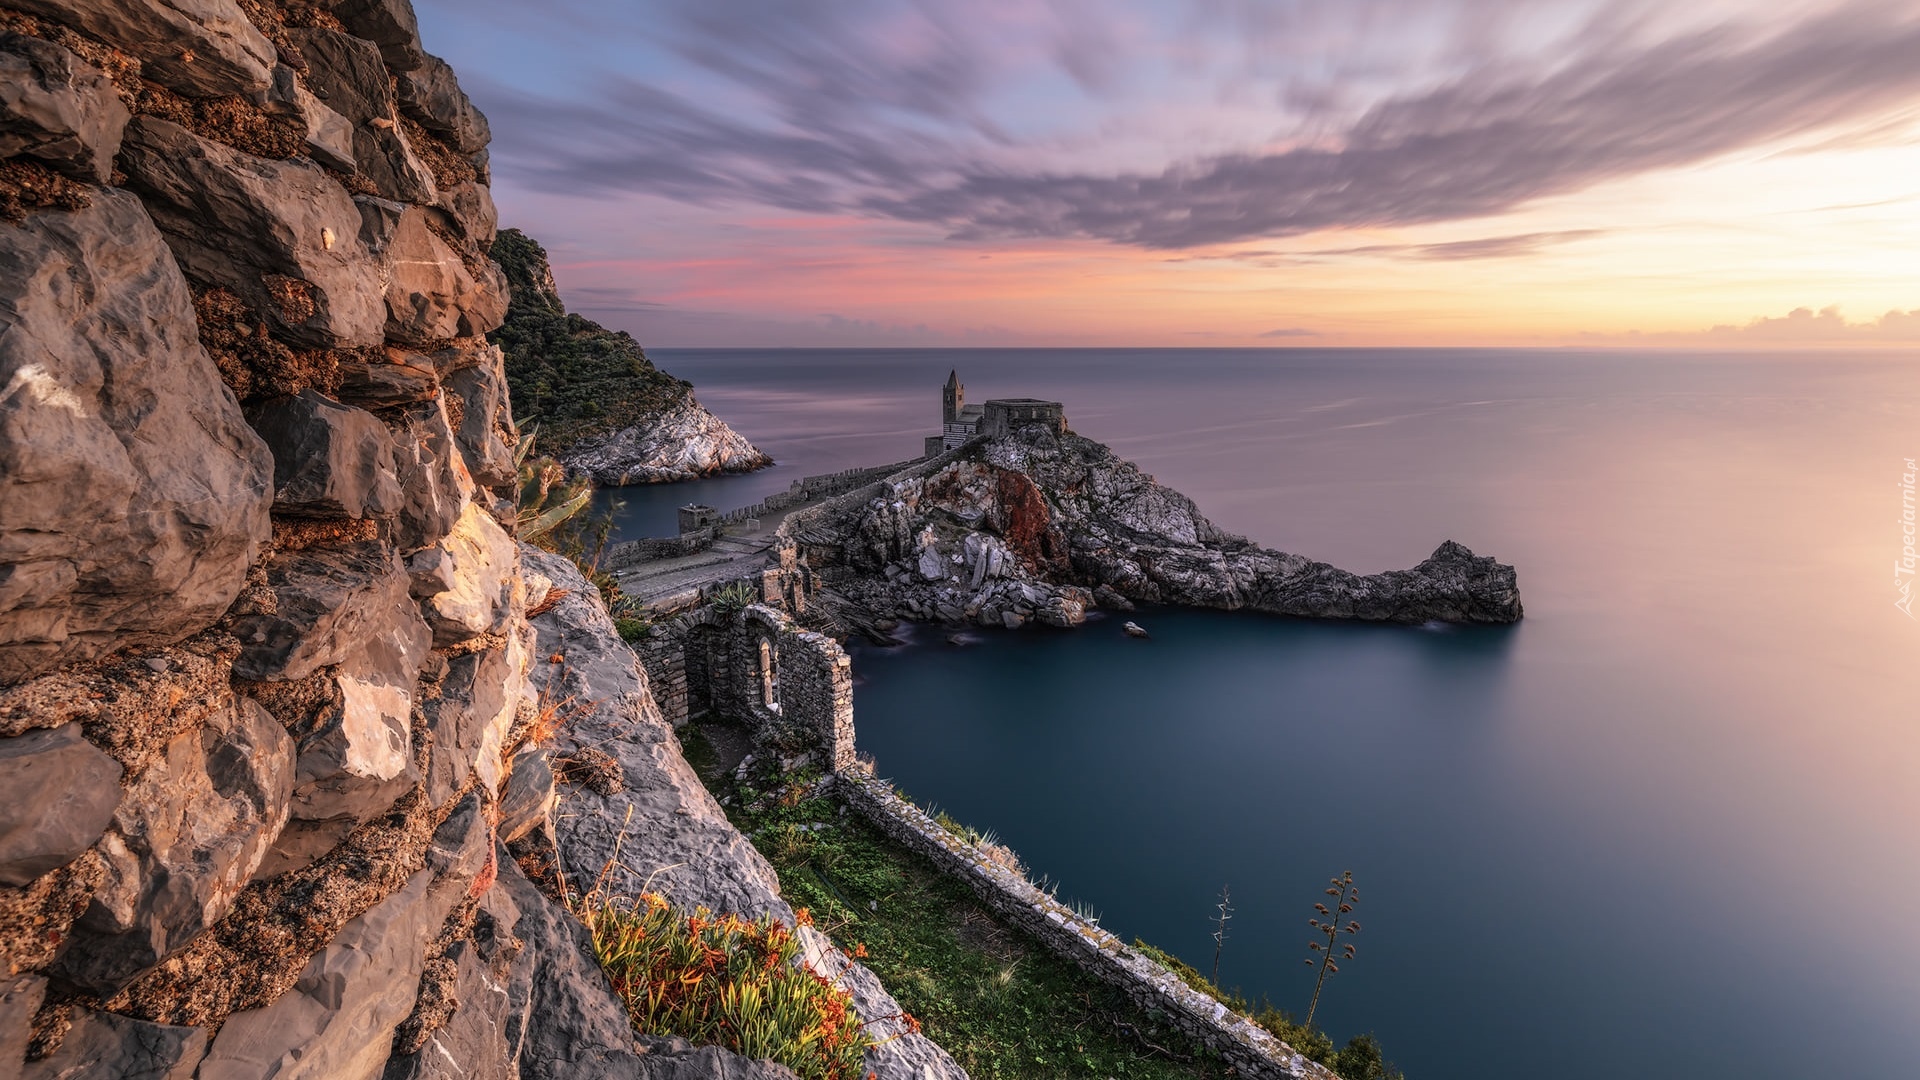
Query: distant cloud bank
x,y
1801,325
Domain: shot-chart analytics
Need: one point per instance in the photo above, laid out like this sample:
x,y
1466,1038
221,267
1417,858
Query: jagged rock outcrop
x,y
683,441
57,108
604,410
267,717
1039,527
658,828
133,494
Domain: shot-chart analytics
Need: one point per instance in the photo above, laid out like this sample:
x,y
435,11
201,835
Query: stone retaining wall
x,y
622,555
632,552
1250,1048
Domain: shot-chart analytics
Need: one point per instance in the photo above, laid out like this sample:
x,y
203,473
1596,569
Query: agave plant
x,y
548,499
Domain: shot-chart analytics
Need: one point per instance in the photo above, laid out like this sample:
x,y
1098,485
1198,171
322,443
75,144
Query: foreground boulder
x,y
282,235
189,834
105,390
337,1022
61,795
57,108
203,48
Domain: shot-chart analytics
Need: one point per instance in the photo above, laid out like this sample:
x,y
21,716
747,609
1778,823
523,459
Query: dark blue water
x,y
1663,828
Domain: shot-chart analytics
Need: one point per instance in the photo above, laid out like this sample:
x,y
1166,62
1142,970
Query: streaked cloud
x,y
884,110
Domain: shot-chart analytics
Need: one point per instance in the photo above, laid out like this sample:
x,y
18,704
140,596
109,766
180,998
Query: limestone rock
x,y
328,605
105,389
527,802
677,1059
337,1022
683,442
389,24
282,235
467,582
470,716
434,482
563,1020
356,751
329,459
104,1044
1072,524
468,207
60,796
485,424
698,855
398,378
187,837
329,136
20,999
472,1044
202,48
431,95
347,74
431,294
58,109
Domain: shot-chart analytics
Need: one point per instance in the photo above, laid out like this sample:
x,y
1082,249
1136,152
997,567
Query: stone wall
x,y
756,666
1251,1049
632,552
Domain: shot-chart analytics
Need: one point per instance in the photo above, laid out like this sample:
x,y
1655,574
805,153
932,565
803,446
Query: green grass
x,y
988,993
1360,1059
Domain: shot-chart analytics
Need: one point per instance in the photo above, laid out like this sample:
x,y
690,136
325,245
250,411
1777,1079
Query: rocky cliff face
x,y
1041,527
265,651
602,408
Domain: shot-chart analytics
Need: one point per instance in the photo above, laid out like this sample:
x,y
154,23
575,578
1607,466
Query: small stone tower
x,y
953,398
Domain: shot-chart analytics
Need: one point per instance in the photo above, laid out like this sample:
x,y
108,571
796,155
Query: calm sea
x,y
1664,828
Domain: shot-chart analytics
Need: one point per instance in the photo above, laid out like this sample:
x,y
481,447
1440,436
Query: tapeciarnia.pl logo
x,y
1904,566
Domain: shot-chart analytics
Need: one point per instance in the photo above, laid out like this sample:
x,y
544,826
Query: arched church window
x,y
769,675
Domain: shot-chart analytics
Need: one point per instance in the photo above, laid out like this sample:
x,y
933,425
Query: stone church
x,y
960,421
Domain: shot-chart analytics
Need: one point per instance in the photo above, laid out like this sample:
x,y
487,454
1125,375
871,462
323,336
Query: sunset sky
x,y
1210,172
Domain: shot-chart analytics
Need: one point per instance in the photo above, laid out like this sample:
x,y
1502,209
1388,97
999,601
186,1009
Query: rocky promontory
x,y
601,407
275,742
1041,525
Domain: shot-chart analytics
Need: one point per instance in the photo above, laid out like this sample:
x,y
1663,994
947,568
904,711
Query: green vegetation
x,y
733,597
999,1002
727,981
1360,1059
572,375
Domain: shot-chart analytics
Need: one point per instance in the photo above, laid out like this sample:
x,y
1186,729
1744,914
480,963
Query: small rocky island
x,y
1015,518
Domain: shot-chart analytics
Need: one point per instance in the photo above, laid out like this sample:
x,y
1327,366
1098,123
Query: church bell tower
x,y
953,397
